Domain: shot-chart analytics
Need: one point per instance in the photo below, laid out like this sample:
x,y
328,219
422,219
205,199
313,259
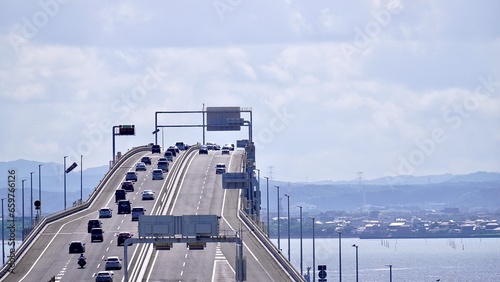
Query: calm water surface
x,y
411,259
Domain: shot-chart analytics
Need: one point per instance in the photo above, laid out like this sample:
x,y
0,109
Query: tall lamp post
x,y
279,248
288,219
3,237
390,271
356,246
40,188
267,205
22,207
301,267
314,253
81,179
31,200
340,256
64,172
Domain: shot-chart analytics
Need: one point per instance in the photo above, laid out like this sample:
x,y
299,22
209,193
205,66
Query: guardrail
x,y
270,247
43,222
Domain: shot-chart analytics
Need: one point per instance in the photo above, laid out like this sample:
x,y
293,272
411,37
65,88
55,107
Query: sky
x,y
336,88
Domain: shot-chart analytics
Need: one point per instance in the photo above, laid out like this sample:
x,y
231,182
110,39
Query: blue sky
x,y
336,87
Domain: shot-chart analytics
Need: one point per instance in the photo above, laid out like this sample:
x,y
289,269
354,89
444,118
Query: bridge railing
x,y
48,219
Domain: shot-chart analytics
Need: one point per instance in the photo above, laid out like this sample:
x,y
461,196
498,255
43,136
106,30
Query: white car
x,y
148,195
157,174
140,166
104,276
105,212
113,262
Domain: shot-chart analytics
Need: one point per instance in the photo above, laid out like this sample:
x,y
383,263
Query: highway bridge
x,y
191,187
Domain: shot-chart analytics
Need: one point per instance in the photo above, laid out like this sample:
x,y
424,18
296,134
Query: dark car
x,y
156,149
76,247
122,236
203,150
169,156
96,234
174,150
120,194
131,176
181,146
124,206
93,223
128,186
146,160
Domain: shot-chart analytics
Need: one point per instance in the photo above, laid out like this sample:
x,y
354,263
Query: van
x,y
168,156
123,206
163,165
120,194
136,212
96,234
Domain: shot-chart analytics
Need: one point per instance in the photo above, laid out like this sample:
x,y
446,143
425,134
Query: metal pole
x,y
81,179
267,199
301,266
3,237
258,196
40,188
31,200
279,248
156,128
203,118
64,172
390,271
288,218
356,246
314,254
22,206
340,256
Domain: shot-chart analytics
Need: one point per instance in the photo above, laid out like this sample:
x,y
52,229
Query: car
x,y
128,186
148,195
131,176
163,159
136,212
181,146
120,194
163,165
124,206
168,156
174,150
155,149
211,145
203,150
220,168
140,166
113,262
157,174
76,247
122,236
93,223
96,234
105,212
146,160
104,276
225,152
230,147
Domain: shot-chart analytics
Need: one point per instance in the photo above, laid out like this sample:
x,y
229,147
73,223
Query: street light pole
x,y
301,268
288,219
22,207
267,199
3,237
81,179
356,246
31,200
40,188
314,253
279,248
390,271
64,172
340,256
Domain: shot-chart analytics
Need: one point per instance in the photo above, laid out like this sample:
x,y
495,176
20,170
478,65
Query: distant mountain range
x,y
469,191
